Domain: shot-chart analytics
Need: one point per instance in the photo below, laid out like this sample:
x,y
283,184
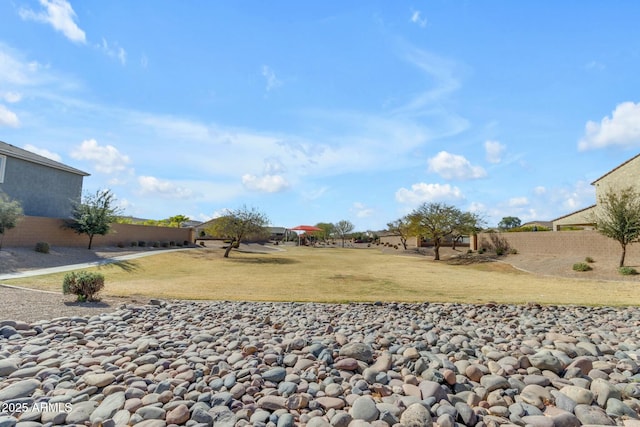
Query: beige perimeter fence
x,y
579,243
32,229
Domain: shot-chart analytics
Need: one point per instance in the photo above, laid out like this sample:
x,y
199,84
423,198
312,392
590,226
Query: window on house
x,y
3,162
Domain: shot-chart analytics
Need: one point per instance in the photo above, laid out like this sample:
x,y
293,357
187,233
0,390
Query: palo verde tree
x,y
342,228
617,216
509,223
239,224
401,227
435,221
94,215
10,213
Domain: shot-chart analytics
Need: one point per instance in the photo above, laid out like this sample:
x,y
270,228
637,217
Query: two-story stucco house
x,y
625,175
43,186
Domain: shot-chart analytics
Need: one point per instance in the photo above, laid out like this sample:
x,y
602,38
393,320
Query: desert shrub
x,y
164,244
155,244
84,284
627,271
172,243
134,244
500,244
42,247
481,250
142,243
589,260
120,244
513,251
581,266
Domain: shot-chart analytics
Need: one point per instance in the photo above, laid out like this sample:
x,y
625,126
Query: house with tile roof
x,y
43,187
625,175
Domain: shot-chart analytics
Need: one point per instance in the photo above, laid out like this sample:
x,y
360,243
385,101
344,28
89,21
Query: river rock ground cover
x,y
285,364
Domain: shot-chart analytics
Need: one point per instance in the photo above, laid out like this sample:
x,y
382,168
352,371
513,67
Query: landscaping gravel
x,y
285,364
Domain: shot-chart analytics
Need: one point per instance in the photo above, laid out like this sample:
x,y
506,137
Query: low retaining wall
x,y
33,229
580,244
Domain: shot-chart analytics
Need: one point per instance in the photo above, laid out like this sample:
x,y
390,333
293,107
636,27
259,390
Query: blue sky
x,y
326,111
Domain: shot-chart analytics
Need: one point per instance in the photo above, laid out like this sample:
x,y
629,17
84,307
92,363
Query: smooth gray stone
x,y
364,408
23,388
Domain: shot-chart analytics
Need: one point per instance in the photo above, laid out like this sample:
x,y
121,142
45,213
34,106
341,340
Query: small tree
x,y
435,221
342,228
239,224
402,228
509,223
94,215
468,223
327,231
617,216
10,213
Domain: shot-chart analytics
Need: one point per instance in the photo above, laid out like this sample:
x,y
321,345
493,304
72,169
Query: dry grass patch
x,y
339,275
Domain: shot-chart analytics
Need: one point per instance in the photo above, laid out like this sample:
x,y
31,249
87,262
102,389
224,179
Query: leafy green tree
x,y
509,223
327,231
402,228
10,213
342,228
94,215
435,221
468,223
177,220
238,224
617,216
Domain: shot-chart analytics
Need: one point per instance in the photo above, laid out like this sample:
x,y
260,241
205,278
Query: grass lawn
x,y
338,275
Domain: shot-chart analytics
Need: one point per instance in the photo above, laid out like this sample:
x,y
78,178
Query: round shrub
x,y
589,260
42,247
627,271
84,284
581,266
134,244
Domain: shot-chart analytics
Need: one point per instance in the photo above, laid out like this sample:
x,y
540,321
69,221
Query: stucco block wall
x,y
412,242
582,218
627,175
31,230
41,190
580,244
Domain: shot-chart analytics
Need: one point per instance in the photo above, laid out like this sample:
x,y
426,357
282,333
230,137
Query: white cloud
x,y
422,192
453,166
539,190
12,97
265,183
106,159
361,210
621,129
517,202
43,152
494,151
416,18
150,185
113,51
270,77
17,71
60,15
8,117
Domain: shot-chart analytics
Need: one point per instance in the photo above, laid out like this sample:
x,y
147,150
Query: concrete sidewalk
x,y
63,268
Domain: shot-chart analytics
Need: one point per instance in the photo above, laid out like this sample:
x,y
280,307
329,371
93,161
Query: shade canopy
x,y
306,228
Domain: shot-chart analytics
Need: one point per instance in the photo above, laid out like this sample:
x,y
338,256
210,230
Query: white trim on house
x,y
3,164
